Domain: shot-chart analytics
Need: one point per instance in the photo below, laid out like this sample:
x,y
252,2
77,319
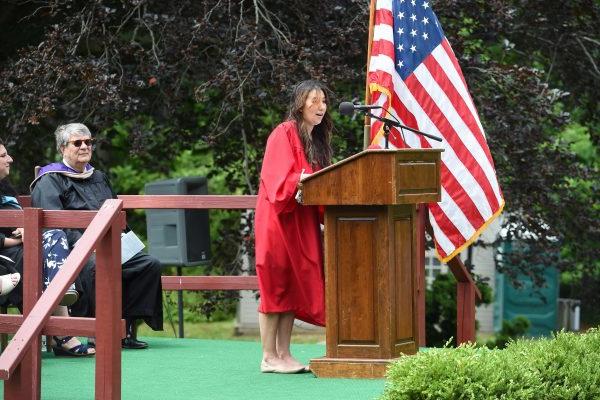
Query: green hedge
x,y
564,367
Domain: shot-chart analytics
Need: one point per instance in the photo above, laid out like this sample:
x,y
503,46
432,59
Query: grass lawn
x,y
221,330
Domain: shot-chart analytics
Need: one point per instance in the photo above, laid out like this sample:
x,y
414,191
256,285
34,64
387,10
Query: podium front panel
x,y
355,270
369,272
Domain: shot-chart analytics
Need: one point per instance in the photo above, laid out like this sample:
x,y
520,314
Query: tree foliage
x,y
218,72
178,72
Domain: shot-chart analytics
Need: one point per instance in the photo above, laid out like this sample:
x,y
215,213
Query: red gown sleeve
x,y
280,172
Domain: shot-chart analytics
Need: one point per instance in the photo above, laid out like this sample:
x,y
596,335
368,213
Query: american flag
x,y
414,74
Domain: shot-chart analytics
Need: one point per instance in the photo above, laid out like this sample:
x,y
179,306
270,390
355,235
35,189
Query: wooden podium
x,y
370,256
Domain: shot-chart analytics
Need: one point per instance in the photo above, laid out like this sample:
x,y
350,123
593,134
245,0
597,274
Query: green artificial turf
x,y
201,369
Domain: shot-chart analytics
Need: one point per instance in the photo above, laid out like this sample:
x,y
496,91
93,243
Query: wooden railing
x,y
21,361
467,291
204,202
24,379
222,202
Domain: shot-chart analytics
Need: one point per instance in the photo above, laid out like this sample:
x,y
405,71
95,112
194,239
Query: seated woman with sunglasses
x,y
74,184
11,262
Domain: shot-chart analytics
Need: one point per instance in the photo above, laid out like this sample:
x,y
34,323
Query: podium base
x,y
367,368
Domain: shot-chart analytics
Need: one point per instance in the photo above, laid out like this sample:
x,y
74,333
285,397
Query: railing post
x,y
465,313
108,315
466,292
25,382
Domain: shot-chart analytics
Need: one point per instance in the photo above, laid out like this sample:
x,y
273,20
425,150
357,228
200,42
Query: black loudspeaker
x,y
178,237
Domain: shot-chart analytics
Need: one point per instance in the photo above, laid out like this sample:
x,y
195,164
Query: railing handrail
x,y
51,218
202,201
107,216
210,282
187,201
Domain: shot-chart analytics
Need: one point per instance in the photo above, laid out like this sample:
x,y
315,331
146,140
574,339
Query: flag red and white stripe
x,y
414,74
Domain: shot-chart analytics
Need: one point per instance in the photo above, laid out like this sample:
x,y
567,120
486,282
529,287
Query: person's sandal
x,y
265,367
81,350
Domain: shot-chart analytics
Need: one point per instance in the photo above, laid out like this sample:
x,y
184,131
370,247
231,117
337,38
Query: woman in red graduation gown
x,y
289,252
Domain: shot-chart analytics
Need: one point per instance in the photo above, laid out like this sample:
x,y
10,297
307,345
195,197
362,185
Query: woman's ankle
x,y
270,357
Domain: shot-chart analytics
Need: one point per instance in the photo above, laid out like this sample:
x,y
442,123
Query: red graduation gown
x,y
289,257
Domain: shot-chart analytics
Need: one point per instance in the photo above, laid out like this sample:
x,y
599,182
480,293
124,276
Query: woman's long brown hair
x,y
317,144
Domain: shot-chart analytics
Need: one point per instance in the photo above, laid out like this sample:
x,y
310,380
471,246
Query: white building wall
x,y
483,260
246,318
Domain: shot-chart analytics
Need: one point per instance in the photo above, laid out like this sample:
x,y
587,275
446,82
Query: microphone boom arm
x,y
390,122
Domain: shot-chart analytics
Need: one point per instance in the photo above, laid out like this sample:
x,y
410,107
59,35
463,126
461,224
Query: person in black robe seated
x,y
74,184
54,253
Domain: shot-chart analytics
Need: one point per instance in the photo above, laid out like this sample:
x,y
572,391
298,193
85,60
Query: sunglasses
x,y
79,142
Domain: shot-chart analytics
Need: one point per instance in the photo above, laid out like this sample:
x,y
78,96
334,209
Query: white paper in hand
x,y
130,246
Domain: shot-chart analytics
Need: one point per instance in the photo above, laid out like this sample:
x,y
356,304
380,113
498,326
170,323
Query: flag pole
x,y
367,126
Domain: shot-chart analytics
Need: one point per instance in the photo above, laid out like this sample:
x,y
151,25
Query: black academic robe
x,y
142,291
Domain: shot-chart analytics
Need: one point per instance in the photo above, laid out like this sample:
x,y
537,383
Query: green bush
x,y
564,367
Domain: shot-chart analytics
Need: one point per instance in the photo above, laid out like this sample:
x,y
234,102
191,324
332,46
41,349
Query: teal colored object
x,y
538,304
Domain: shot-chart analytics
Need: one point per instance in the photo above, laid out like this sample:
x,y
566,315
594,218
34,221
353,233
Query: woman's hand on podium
x,y
303,175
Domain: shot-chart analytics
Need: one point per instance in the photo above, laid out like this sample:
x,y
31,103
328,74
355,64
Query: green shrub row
x,y
566,366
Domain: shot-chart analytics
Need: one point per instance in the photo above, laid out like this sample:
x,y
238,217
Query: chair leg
x,y
48,344
3,336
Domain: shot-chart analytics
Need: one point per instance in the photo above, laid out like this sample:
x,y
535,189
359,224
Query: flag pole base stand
x,y
364,368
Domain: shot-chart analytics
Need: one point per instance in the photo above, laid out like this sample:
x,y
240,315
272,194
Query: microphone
x,y
348,108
